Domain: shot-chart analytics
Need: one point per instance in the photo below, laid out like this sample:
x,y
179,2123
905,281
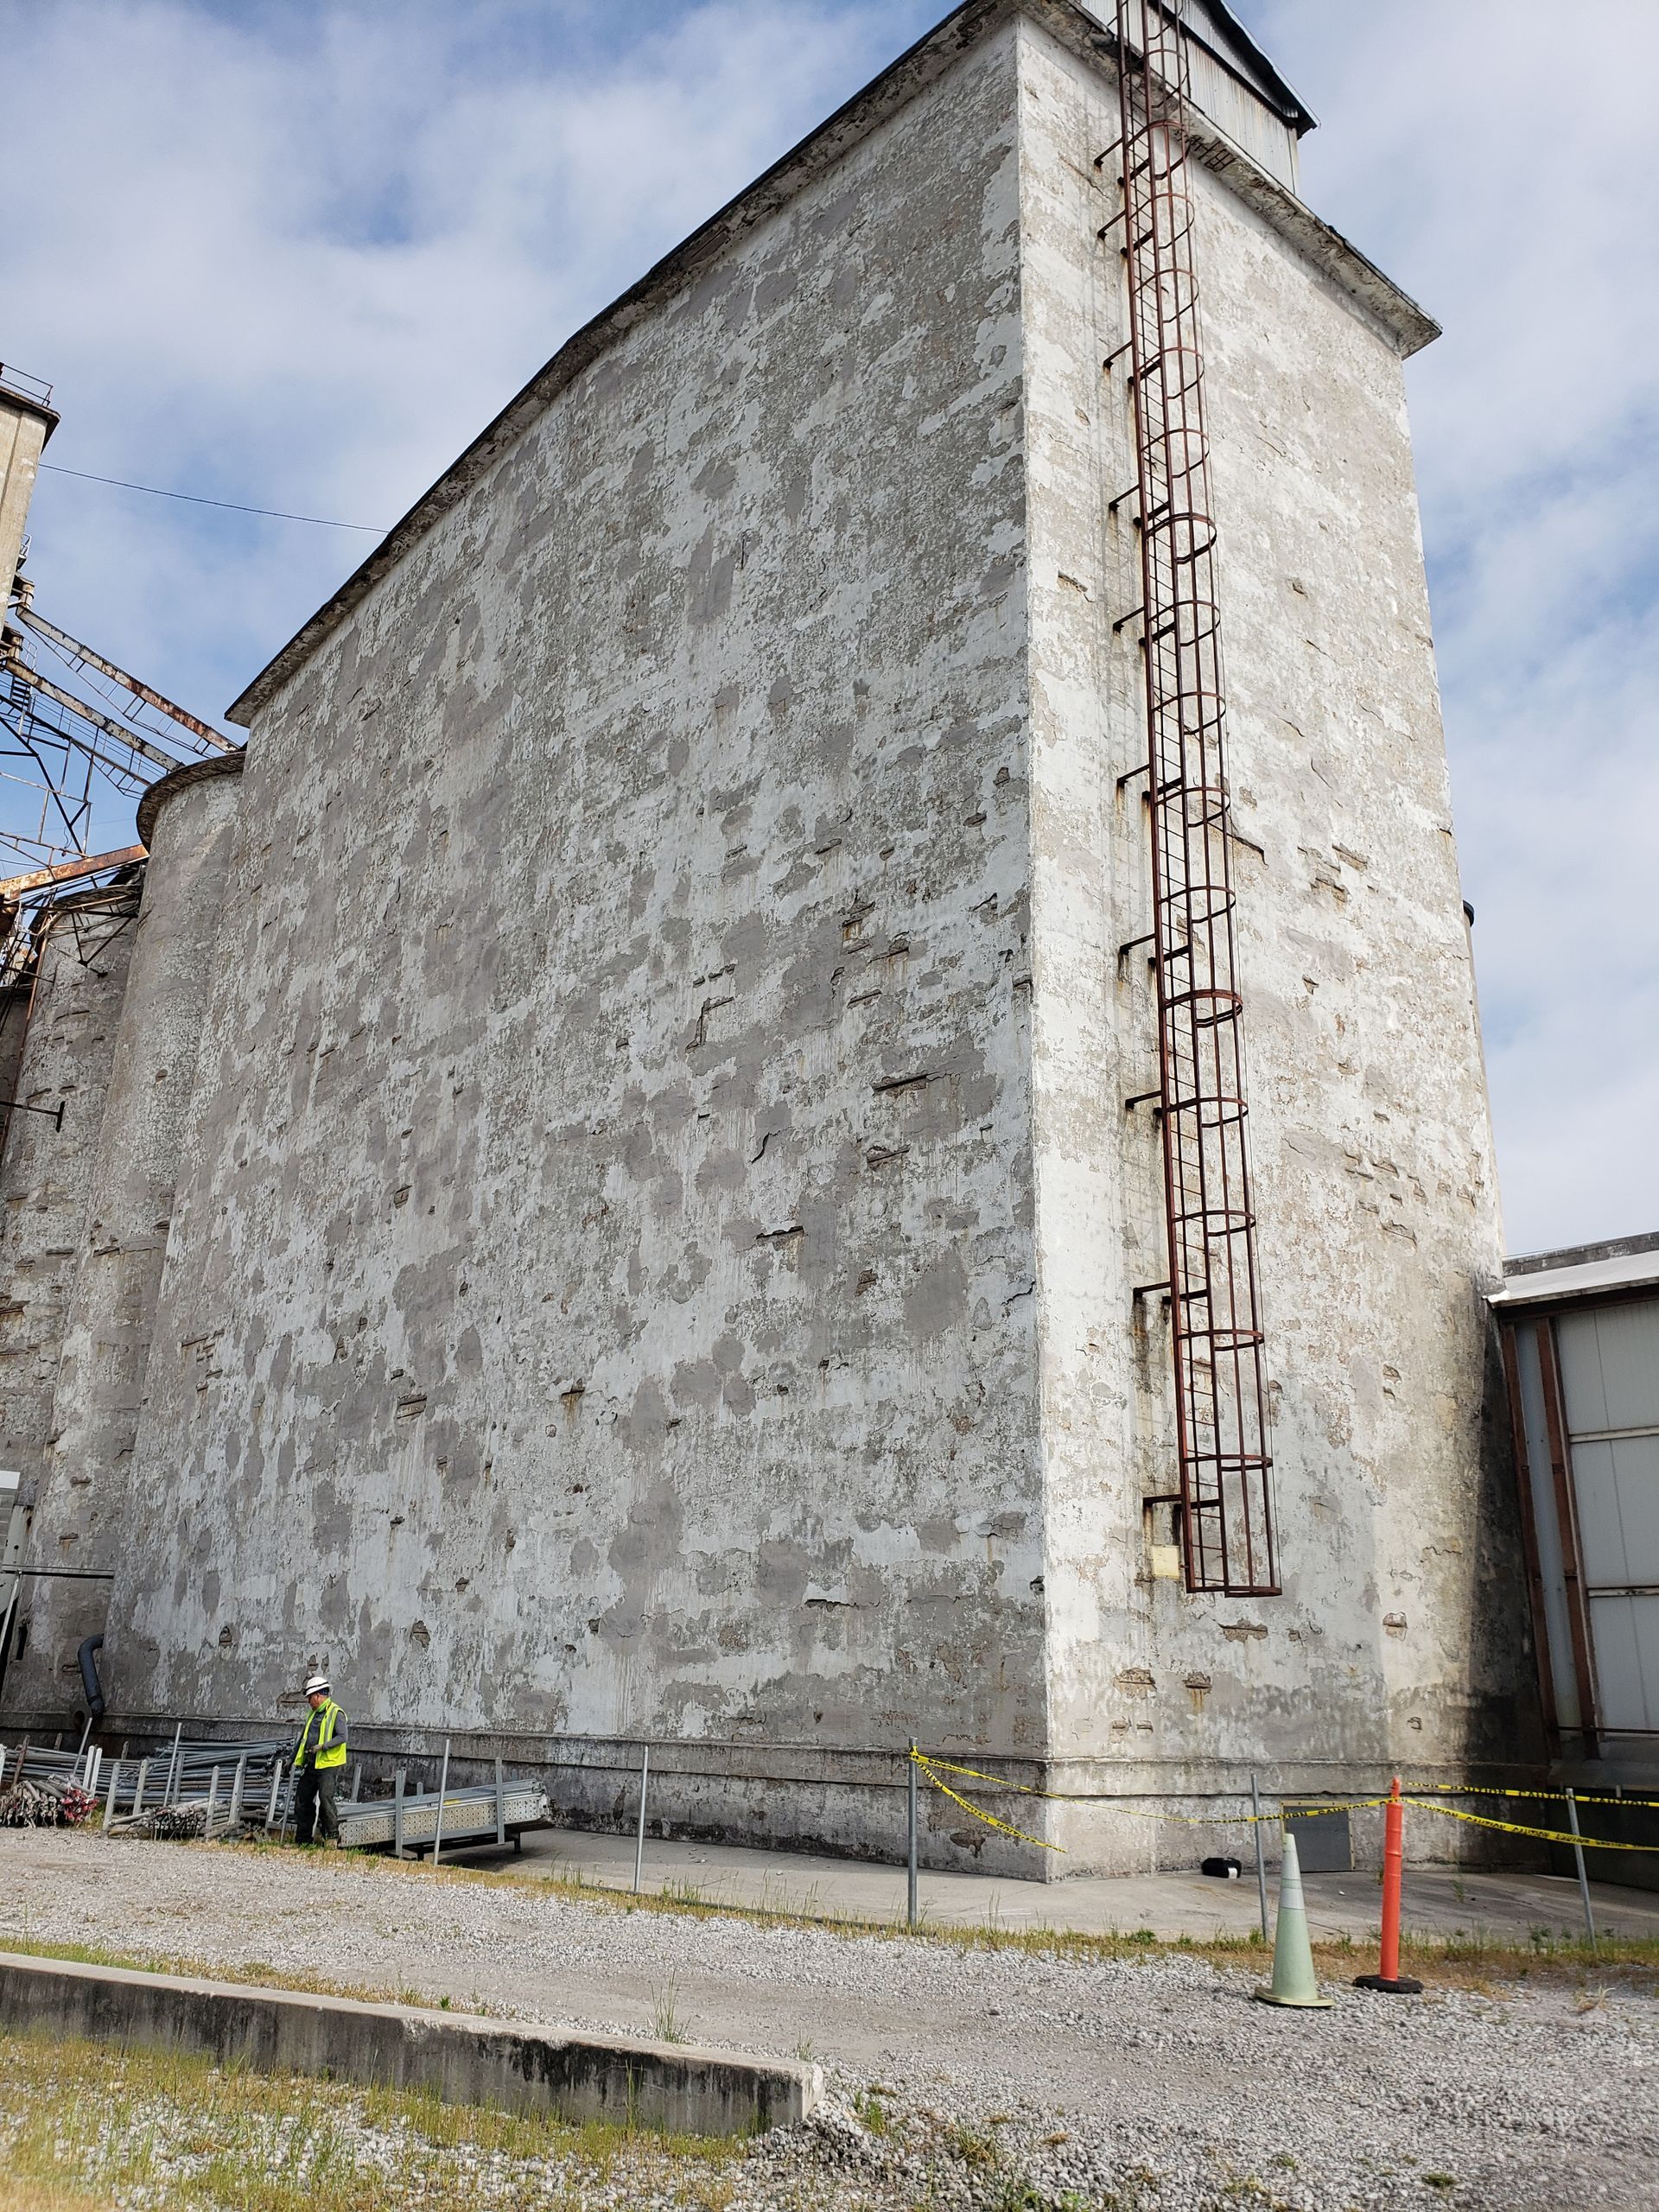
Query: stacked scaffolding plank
x,y
1221,1411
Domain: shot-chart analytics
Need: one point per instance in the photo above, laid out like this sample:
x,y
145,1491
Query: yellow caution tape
x,y
932,1767
1548,1796
1133,1812
989,1818
1298,1811
946,1766
1514,1827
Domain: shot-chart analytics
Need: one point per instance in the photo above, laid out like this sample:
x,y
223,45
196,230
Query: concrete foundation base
x,y
850,1802
508,2064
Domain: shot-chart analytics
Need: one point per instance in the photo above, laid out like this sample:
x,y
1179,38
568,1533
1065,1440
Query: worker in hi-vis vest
x,y
317,1763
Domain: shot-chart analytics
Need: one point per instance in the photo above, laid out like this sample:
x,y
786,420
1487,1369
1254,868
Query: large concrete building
x,y
597,1199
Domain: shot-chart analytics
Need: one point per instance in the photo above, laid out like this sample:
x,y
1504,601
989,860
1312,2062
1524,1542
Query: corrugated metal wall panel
x,y
1626,1630
1610,1368
1243,117
1609,1388
1618,1483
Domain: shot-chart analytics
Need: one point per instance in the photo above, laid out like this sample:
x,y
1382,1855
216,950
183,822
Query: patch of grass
x,y
44,2196
684,1892
86,2124
867,2104
664,2014
977,2147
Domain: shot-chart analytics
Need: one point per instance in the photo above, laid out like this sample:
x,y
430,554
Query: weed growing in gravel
x,y
664,2014
867,2104
43,2196
977,2147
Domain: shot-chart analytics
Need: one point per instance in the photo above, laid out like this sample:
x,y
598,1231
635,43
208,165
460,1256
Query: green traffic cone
x,y
1292,1955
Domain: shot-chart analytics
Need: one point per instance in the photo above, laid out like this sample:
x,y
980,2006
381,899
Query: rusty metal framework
x,y
1221,1401
59,752
93,898
59,755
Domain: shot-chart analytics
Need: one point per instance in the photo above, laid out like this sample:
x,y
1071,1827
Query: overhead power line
x,y
195,499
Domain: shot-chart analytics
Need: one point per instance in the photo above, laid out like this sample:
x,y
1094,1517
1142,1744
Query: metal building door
x,y
1610,1391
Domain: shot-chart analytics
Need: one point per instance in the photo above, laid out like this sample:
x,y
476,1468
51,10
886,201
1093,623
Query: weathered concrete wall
x,y
45,1178
83,1507
1400,1634
516,2065
599,1296
45,1171
25,426
656,1222
14,1021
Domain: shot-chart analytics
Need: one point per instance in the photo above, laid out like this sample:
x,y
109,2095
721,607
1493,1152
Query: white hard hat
x,y
317,1683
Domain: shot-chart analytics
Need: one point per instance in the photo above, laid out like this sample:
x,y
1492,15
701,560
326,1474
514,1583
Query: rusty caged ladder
x,y
1221,1405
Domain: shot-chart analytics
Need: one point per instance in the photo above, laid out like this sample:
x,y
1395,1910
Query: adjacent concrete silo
x,y
85,1510
48,1169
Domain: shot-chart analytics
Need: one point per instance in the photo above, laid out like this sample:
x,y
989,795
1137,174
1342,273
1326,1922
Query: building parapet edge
x,y
181,780
1406,325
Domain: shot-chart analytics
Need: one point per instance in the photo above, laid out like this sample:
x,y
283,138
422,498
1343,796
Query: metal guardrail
x,y
19,380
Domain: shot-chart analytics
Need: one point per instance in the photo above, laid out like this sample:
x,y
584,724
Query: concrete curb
x,y
461,2059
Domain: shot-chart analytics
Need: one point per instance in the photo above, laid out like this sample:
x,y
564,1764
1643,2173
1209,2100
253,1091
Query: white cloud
x,y
300,256
1494,156
300,253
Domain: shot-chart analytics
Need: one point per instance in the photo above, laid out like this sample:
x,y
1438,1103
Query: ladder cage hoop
x,y
1220,1385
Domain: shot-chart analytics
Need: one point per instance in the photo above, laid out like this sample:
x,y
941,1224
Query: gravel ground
x,y
960,2078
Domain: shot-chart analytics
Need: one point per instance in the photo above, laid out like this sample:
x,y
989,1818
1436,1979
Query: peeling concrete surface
x,y
64,1056
608,1209
657,1218
1401,1635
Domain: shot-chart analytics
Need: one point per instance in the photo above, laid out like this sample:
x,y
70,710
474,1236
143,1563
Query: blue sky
x,y
298,254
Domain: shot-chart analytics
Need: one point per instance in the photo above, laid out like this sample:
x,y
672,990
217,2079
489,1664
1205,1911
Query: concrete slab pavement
x,y
1439,1900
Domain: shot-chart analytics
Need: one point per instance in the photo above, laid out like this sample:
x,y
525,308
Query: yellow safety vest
x,y
330,1738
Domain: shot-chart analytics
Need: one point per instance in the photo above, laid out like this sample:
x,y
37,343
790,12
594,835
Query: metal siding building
x,y
1581,1345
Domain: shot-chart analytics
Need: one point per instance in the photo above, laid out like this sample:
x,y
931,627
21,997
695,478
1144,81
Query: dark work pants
x,y
315,1817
